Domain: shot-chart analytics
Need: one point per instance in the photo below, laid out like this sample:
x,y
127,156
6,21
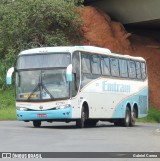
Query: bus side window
x,y
132,69
76,73
138,70
95,64
86,68
114,67
143,70
123,68
105,66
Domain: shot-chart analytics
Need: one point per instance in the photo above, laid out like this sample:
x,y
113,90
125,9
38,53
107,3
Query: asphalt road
x,y
16,136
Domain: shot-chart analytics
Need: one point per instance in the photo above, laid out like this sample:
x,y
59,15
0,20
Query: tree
x,y
33,23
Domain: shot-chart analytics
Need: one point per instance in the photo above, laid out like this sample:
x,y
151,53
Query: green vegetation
x,y
153,116
28,24
7,106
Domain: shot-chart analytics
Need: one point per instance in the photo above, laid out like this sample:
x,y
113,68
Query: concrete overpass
x,y
140,13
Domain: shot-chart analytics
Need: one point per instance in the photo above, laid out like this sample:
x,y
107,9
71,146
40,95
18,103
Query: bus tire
x,y
37,123
126,120
80,123
133,117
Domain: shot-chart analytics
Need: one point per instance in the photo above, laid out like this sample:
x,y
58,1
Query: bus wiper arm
x,y
47,91
35,89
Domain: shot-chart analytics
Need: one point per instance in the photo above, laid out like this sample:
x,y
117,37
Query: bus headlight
x,y
63,106
21,108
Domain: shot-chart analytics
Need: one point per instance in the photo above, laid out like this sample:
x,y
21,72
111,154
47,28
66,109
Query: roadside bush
x,y
27,24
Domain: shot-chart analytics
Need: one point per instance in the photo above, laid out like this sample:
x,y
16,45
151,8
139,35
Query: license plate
x,y
28,95
41,115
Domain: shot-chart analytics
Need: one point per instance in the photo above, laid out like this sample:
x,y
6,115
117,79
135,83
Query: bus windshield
x,y
42,77
42,85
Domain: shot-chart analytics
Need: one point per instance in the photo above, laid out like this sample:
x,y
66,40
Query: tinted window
x,y
132,69
123,68
143,70
43,60
86,68
138,70
114,67
105,66
95,63
76,73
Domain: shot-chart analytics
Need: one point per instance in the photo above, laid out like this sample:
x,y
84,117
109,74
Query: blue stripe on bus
x,y
65,113
138,99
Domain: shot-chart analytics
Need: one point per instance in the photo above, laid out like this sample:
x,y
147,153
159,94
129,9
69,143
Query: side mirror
x,y
69,73
9,76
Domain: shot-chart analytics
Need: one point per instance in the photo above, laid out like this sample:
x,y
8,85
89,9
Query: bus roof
x,y
98,50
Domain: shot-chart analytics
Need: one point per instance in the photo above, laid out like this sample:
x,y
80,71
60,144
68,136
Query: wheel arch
x,y
128,105
135,106
85,105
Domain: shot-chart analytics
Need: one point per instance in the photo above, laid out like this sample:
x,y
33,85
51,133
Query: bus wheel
x,y
36,123
80,122
133,117
126,120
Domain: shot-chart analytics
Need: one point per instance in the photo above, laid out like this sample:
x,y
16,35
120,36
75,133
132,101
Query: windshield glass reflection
x,y
42,84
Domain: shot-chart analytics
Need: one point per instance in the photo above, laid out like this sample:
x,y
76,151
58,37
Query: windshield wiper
x,y
47,91
38,87
35,89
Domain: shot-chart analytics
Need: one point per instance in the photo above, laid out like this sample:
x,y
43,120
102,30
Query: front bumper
x,y
58,114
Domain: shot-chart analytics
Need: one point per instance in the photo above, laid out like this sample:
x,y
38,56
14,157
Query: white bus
x,y
81,83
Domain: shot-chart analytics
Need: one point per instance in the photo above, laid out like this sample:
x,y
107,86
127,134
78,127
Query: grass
x,y
153,116
8,110
7,105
